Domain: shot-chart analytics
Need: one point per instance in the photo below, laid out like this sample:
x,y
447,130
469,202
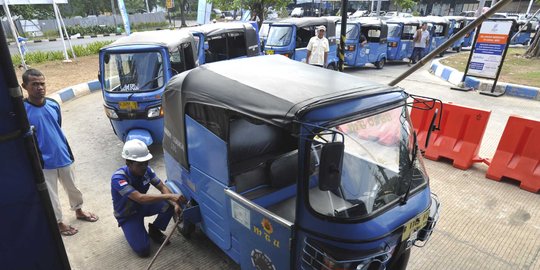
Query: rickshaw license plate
x,y
128,105
414,225
269,52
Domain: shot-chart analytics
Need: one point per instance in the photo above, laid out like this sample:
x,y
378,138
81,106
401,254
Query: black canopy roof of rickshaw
x,y
456,18
272,89
413,21
433,19
220,28
306,21
277,92
369,21
166,38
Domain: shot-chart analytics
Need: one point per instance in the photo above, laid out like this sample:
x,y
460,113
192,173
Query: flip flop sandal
x,y
69,232
90,218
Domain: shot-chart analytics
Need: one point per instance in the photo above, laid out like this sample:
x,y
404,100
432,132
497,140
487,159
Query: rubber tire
x,y
332,66
380,63
401,262
185,228
459,49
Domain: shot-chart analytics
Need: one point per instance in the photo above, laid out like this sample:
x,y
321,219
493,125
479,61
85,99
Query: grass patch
x,y
516,68
40,57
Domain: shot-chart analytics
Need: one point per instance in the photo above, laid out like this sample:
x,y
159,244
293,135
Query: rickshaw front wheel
x,y
401,262
332,66
380,64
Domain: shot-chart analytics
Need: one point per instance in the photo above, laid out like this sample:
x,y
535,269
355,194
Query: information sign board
x,y
490,48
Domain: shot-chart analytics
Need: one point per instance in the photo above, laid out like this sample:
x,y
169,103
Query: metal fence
x,y
37,27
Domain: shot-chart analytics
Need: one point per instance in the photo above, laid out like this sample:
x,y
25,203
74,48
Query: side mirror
x,y
331,166
432,127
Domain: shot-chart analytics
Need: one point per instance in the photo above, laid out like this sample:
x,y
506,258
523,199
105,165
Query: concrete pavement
x,y
484,224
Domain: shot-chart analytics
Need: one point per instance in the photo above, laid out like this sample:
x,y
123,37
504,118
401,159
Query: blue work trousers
x,y
134,229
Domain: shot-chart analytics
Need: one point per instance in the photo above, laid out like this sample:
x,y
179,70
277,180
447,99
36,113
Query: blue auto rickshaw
x,y
224,41
438,29
521,32
456,23
469,37
400,37
290,37
133,72
321,172
374,32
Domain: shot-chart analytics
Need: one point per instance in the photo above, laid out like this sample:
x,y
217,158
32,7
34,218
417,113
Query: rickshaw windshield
x,y
352,31
279,36
377,166
394,30
133,72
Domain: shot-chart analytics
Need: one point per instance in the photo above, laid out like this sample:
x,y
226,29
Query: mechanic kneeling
x,y
129,185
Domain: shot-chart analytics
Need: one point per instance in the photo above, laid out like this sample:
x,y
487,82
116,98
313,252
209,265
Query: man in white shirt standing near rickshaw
x,y
421,39
318,48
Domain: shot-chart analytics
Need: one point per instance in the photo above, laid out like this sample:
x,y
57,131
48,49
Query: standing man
x,y
421,40
318,48
56,156
129,185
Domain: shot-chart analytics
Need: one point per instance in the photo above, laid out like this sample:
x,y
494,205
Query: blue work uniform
x,y
130,214
53,145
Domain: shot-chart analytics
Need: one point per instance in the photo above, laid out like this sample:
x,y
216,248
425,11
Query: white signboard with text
x,y
488,52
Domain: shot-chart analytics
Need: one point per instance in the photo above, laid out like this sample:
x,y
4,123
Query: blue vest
x,y
53,145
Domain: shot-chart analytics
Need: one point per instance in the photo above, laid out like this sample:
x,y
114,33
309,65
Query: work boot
x,y
156,235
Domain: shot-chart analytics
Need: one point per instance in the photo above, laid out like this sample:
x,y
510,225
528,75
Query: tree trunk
x,y
182,15
534,48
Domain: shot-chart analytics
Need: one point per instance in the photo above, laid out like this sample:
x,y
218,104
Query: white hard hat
x,y
136,150
321,27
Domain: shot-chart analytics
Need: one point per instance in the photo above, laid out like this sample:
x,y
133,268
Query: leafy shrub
x,y
80,50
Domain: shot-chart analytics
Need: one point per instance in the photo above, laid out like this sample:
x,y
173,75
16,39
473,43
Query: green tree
x,y
30,12
405,4
258,8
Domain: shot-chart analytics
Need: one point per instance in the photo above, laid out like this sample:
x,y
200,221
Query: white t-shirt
x,y
423,39
317,46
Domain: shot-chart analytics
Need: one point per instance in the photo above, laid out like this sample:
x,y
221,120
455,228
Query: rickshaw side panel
x,y
206,151
265,241
208,175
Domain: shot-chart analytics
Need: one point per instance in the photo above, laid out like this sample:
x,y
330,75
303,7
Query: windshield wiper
x,y
145,84
410,169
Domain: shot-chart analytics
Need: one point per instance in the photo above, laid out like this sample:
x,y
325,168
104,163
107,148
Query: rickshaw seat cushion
x,y
284,170
251,177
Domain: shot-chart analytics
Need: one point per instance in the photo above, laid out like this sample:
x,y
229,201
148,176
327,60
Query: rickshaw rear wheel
x,y
185,228
380,63
459,49
401,262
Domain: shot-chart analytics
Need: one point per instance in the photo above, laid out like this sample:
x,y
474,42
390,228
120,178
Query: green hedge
x,y
91,30
80,50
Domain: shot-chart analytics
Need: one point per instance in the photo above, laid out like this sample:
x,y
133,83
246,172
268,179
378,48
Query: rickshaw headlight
x,y
111,113
155,112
